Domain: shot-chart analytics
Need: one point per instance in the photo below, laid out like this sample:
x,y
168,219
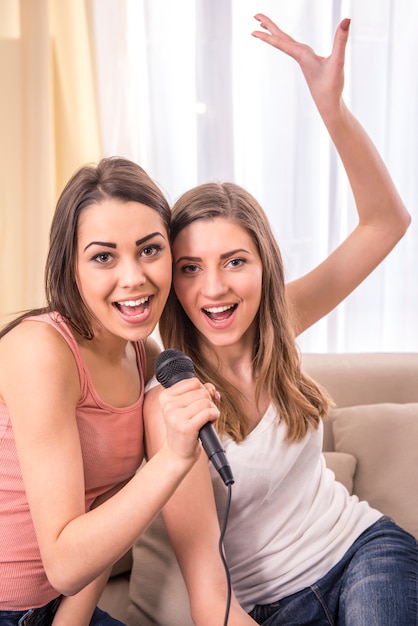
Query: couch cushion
x,y
344,466
365,378
115,598
384,440
124,564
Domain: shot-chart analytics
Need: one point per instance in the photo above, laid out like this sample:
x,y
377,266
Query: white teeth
x,y
219,309
134,302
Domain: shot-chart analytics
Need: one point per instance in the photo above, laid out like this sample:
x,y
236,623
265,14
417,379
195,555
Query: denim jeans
x,y
374,584
45,614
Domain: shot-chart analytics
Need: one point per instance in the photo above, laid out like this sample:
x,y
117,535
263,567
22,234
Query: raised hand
x,y
382,216
324,75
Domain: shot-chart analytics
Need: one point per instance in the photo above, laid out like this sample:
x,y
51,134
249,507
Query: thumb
x,y
341,38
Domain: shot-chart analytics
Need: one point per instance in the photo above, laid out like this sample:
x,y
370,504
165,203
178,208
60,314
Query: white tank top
x,y
290,522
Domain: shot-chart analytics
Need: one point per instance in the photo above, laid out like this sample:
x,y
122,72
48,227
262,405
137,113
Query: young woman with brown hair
x,y
72,379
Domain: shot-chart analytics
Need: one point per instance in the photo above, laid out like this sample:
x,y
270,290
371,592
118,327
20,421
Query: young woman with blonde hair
x,y
299,548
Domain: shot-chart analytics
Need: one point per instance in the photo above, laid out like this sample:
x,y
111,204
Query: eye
x,y
151,250
190,269
103,258
236,262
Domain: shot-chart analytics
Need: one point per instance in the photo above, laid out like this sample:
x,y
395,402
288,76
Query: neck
x,y
105,345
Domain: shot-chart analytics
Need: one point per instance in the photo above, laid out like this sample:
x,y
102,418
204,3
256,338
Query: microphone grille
x,y
171,366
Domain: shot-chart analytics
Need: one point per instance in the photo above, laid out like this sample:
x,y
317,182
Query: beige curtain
x,y
48,127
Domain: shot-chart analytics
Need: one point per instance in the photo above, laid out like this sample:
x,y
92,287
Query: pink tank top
x,y
112,447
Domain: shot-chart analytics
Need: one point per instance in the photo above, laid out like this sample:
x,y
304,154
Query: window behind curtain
x,y
190,95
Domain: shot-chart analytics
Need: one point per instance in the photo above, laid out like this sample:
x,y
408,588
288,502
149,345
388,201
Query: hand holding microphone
x,y
172,366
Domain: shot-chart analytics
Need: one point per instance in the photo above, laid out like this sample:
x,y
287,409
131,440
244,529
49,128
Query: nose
x,y
213,284
131,274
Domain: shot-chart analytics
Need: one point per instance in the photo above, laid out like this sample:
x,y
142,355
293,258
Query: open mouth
x,y
220,313
133,307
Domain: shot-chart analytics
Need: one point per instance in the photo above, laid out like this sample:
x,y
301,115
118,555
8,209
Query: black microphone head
x,y
171,366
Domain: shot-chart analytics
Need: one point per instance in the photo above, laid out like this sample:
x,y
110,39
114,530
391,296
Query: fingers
x,y
190,401
193,407
187,406
278,38
268,24
275,36
282,41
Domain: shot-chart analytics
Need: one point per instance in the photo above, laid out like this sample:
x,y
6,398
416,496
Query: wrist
x,y
336,116
178,465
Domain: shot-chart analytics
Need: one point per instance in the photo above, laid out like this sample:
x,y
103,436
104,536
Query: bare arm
x,y
383,218
41,391
78,609
192,522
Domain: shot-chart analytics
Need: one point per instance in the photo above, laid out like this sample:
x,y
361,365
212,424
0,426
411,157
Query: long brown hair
x,y
276,362
112,177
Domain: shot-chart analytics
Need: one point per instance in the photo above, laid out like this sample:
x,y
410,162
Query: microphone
x,y
171,366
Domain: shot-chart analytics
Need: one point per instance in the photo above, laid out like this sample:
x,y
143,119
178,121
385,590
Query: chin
x,y
219,342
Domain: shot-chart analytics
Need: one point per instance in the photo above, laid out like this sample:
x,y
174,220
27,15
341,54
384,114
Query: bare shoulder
x,y
34,350
151,401
33,339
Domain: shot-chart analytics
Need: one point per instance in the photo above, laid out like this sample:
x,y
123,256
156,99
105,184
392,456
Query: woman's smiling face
x,y
217,277
123,267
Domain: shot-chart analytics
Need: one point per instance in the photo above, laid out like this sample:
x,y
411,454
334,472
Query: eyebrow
x,y
225,255
108,244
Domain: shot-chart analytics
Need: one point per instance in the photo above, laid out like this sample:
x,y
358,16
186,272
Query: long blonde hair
x,y
276,362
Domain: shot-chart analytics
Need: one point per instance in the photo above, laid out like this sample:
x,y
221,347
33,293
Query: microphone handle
x,y
216,454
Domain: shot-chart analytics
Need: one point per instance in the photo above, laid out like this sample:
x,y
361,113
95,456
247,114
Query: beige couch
x,y
371,443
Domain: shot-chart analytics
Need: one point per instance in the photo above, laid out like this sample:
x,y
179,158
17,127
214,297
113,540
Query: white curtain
x,y
185,91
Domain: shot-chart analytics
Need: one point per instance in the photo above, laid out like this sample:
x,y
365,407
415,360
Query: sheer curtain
x,y
48,128
188,93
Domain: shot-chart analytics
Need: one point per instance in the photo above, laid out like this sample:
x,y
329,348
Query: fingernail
x,y
345,24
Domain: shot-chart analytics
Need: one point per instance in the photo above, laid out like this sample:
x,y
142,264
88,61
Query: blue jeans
x,y
45,614
374,584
